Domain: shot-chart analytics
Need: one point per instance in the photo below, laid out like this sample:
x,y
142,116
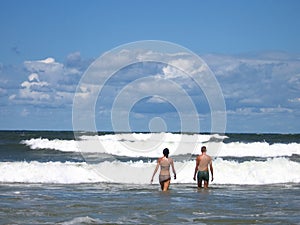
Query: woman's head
x,y
166,152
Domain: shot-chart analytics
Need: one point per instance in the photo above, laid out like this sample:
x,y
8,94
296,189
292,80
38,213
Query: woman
x,y
164,175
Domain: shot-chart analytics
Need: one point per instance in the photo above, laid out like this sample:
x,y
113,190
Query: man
x,y
202,162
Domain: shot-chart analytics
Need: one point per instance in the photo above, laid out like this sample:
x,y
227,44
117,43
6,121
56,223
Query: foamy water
x,y
268,163
141,145
273,170
52,178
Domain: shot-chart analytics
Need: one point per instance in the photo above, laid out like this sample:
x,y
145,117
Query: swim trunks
x,y
163,178
203,175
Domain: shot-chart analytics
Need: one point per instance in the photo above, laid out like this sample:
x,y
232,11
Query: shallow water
x,y
44,179
146,204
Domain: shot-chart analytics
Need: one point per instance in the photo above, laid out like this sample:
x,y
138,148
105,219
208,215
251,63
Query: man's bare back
x,y
204,161
201,169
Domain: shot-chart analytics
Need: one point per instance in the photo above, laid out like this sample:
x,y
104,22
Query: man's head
x,y
203,149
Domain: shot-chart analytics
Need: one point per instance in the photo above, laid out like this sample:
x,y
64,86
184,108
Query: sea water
x,y
47,178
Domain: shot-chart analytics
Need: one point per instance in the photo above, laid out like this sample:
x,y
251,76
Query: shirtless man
x,y
202,162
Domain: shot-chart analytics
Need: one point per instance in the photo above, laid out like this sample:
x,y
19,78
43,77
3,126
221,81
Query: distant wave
x,y
48,172
151,145
270,171
131,145
56,144
259,149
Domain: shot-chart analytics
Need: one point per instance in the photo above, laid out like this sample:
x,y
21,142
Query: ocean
x,y
51,177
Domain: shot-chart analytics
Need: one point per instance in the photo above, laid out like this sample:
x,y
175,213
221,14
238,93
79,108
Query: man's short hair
x,y
203,149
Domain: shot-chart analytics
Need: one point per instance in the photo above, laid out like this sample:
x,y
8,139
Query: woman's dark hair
x,y
166,152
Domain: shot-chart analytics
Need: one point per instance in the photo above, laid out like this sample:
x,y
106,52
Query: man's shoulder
x,y
206,157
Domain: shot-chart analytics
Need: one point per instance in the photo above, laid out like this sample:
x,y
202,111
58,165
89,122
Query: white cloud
x,y
2,91
73,58
254,86
251,101
47,69
242,111
75,63
29,92
294,100
294,81
251,85
156,99
170,72
34,76
260,81
47,61
252,111
49,83
12,97
278,109
139,115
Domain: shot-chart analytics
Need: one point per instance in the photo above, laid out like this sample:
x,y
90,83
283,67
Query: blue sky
x,y
251,46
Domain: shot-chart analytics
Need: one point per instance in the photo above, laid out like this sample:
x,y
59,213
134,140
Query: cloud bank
x,y
261,91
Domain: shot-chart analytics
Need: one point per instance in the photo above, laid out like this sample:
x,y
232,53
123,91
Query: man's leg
x,y
199,179
205,183
199,183
206,179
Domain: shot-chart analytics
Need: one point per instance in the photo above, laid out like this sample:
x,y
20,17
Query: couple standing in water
x,y
203,161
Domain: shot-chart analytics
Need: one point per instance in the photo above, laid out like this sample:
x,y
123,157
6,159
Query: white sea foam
x,y
82,220
275,170
151,145
56,144
48,172
259,149
132,145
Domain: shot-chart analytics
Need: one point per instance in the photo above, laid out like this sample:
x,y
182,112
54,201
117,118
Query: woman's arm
x,y
173,169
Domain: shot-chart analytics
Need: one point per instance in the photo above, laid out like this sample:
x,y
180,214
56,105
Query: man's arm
x,y
196,168
211,170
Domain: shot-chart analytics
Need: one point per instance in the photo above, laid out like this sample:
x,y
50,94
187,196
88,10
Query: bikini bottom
x,y
163,178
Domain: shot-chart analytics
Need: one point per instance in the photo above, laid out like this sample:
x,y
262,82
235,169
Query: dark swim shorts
x,y
203,175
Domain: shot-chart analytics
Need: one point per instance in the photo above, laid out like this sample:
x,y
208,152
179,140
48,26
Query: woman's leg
x,y
162,185
166,185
